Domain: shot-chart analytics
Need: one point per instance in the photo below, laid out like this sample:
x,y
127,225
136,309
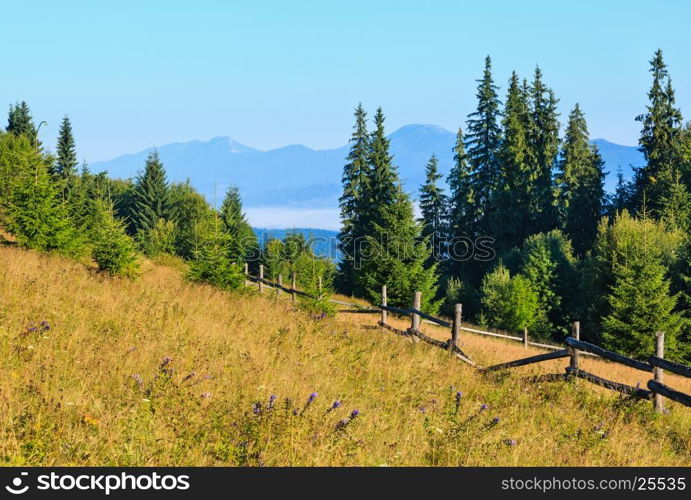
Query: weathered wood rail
x,y
575,348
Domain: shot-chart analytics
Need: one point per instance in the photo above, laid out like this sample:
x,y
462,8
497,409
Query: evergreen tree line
x,y
523,233
48,202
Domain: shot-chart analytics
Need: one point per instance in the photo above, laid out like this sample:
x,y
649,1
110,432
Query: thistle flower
x,y
138,378
459,395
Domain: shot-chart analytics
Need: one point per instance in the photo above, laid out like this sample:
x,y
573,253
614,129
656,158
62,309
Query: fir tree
x,y
433,205
545,146
579,184
482,143
352,202
20,122
511,221
659,141
112,249
150,199
627,280
36,216
243,245
399,259
383,184
210,263
189,212
462,216
65,166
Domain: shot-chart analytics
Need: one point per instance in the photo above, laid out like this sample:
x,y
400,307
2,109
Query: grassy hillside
x,y
163,372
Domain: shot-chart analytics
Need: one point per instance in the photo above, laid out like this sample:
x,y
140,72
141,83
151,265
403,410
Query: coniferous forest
x,y
521,232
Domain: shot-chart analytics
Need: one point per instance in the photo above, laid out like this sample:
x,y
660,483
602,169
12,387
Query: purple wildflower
x,y
189,376
336,404
272,398
496,420
510,442
257,408
342,423
45,325
483,407
459,395
354,414
312,397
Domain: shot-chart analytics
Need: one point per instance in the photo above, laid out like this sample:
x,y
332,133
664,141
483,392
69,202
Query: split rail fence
x,y
574,348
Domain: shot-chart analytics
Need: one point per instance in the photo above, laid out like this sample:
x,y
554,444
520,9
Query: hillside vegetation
x,y
161,371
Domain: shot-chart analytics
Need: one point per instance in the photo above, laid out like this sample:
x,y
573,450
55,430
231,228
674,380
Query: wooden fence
x,y
574,348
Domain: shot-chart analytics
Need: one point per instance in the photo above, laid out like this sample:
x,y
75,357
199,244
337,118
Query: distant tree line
x,y
49,203
523,233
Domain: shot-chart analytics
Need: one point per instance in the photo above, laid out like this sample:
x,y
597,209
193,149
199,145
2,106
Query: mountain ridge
x,y
298,176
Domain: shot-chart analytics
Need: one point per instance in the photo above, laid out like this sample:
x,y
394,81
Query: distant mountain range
x,y
298,177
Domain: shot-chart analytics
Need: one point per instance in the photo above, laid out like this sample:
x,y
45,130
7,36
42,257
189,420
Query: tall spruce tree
x,y
580,184
659,141
545,145
482,143
462,216
511,217
383,184
395,256
65,165
151,197
433,205
352,202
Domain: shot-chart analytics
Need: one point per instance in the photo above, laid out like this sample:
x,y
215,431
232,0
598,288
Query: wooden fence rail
x,y
612,356
575,347
670,366
563,353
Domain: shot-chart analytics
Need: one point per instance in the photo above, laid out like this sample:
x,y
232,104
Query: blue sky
x,y
132,74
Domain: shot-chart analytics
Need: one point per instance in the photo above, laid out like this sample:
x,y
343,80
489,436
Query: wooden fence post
x,y
575,333
456,326
415,325
280,284
384,312
525,337
294,287
261,277
657,371
247,269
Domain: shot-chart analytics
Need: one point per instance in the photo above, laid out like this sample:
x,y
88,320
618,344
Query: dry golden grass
x,y
69,397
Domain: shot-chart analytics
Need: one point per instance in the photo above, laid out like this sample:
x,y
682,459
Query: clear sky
x,y
133,74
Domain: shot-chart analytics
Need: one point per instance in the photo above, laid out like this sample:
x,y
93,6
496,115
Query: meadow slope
x,y
159,371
